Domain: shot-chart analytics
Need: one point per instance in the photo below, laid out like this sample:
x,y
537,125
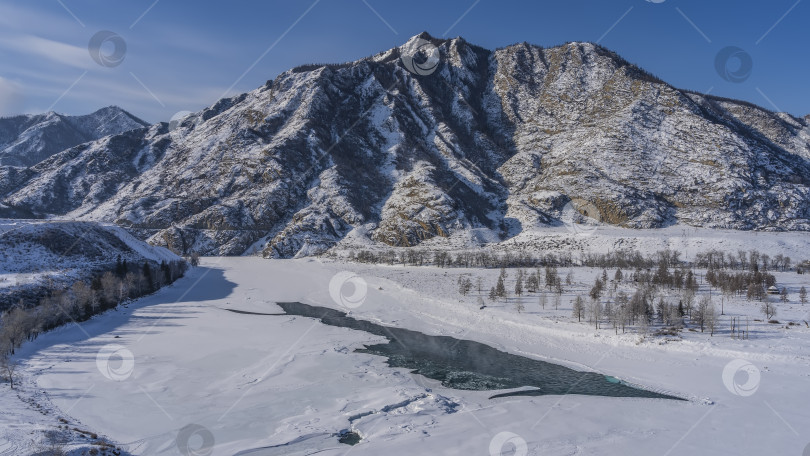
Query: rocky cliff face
x,y
497,140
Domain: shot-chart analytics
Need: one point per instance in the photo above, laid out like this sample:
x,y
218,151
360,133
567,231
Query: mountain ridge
x,y
499,140
27,139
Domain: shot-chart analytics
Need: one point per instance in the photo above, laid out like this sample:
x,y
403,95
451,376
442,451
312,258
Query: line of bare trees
x,y
80,301
751,261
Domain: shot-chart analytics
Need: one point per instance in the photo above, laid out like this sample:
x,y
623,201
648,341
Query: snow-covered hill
x,y
500,141
32,253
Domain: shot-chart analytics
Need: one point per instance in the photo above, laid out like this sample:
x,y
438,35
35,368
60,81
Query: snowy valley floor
x,y
265,385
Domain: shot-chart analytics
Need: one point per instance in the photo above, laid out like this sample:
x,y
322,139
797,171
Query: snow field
x,y
255,381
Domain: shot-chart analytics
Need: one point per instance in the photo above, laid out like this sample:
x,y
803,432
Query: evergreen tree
x,y
120,267
532,283
500,289
147,275
519,286
596,290
167,275
578,307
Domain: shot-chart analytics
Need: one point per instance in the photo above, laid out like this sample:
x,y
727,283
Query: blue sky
x,y
184,55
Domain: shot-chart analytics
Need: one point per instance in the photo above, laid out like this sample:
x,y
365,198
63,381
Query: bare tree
x,y
711,317
194,259
132,284
109,288
123,290
643,326
803,295
595,312
8,368
608,311
53,444
84,296
700,314
464,285
551,276
768,309
14,330
688,301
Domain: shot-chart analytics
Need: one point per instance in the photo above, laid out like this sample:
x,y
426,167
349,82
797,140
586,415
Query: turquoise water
x,y
469,365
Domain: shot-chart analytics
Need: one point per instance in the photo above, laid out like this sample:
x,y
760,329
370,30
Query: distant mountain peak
x,y
424,35
29,139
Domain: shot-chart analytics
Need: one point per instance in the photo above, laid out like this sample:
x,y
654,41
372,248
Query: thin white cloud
x,y
55,51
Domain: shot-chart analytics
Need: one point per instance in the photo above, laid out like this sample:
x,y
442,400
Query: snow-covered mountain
x,y
29,139
500,140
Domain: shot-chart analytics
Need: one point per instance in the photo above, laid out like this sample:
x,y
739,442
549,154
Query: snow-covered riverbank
x,y
183,370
